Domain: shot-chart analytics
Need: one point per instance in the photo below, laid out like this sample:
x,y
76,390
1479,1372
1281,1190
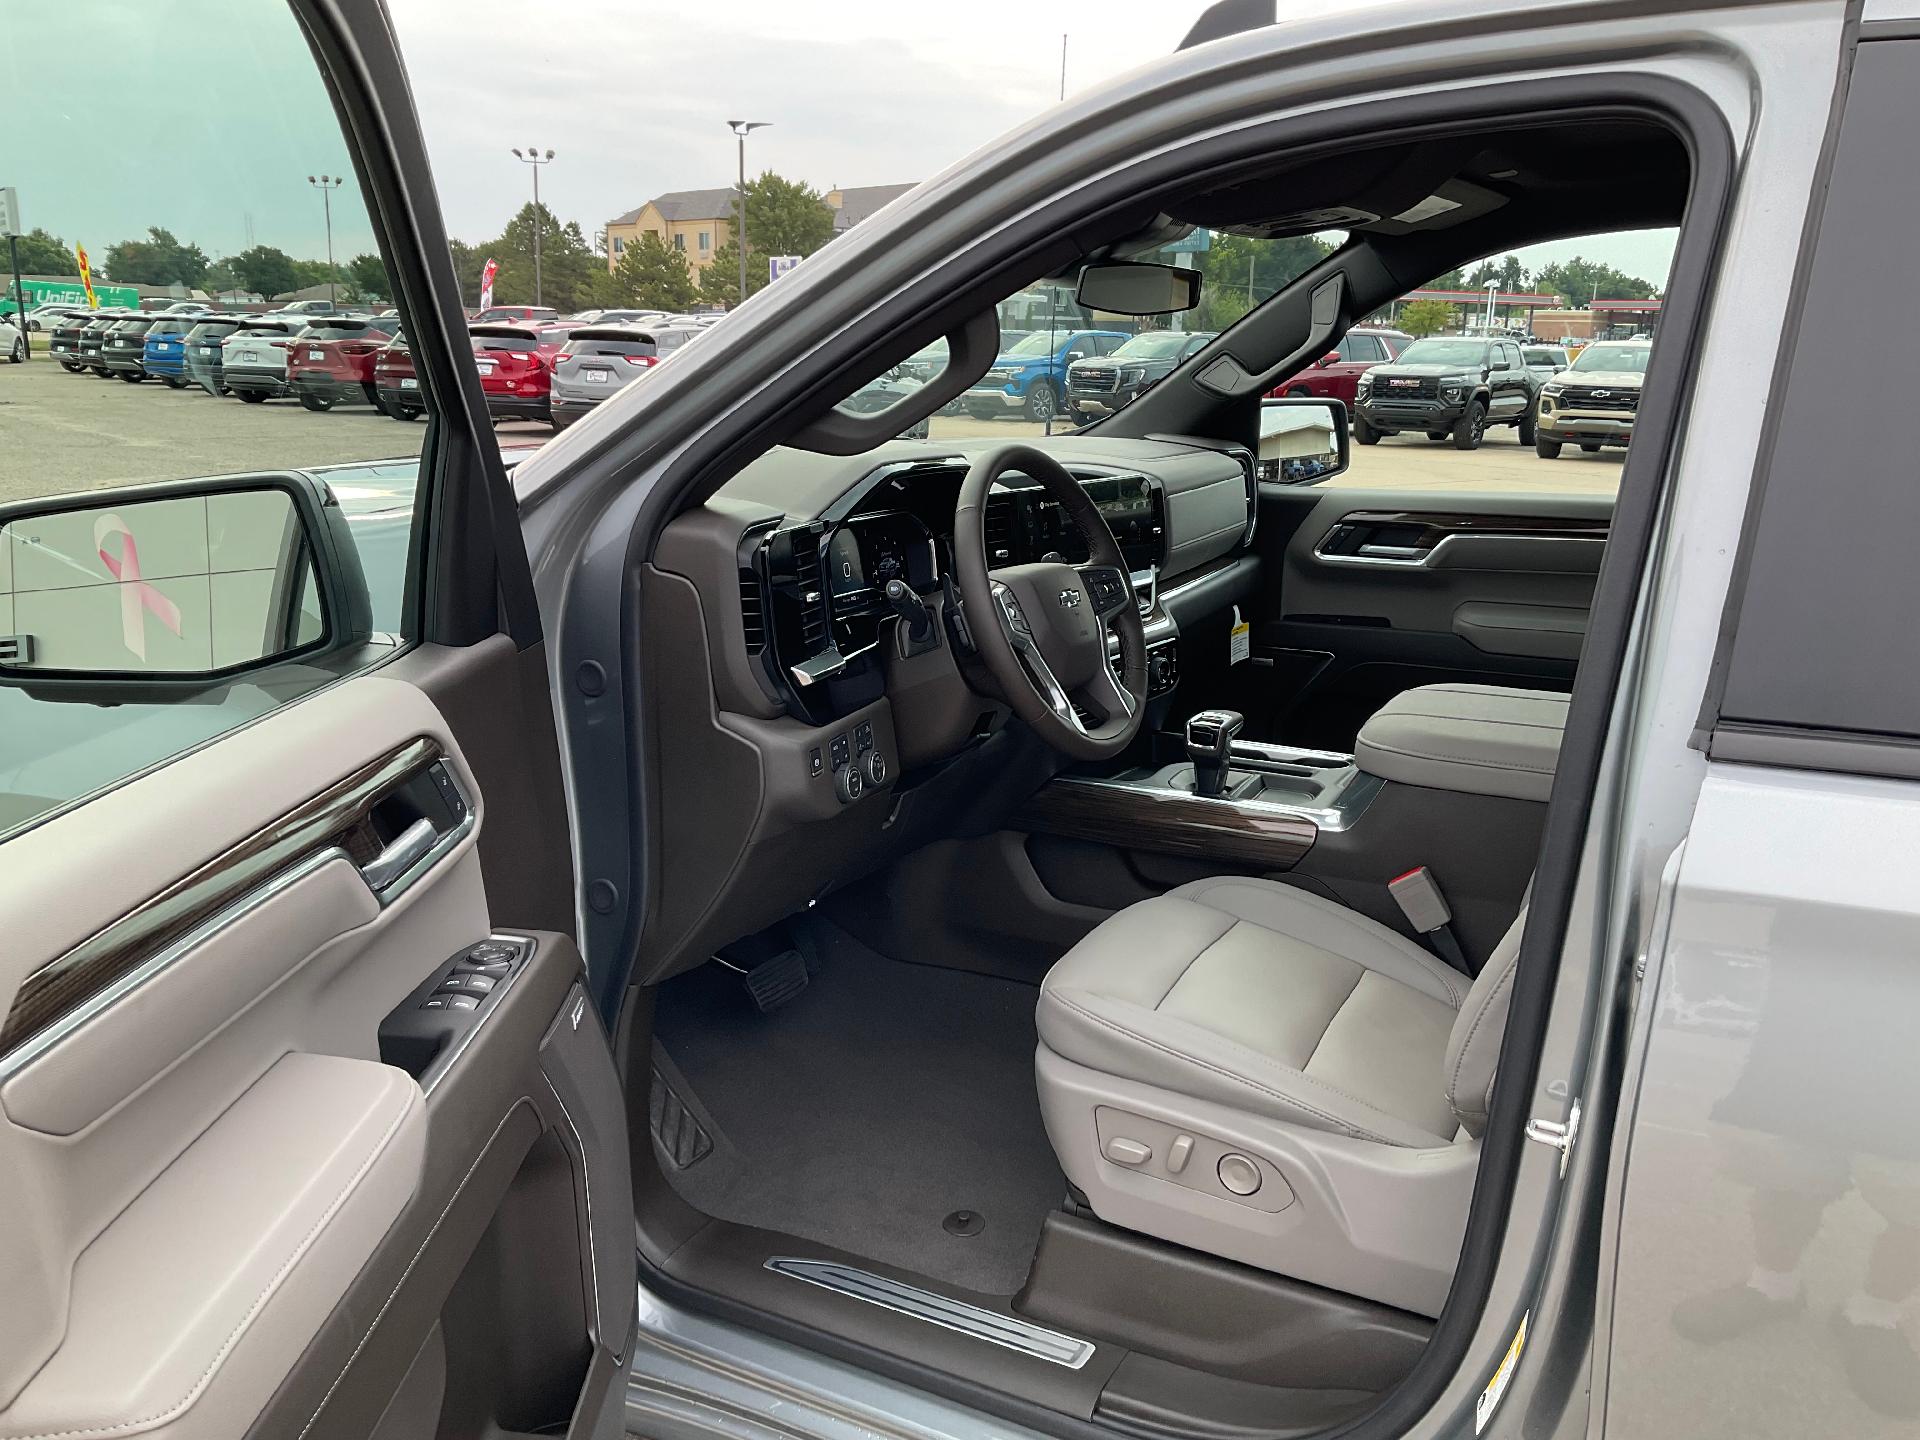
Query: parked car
x,y
88,335
1101,386
124,349
164,355
46,317
503,314
1545,360
516,367
201,352
308,307
601,359
63,340
1030,377
331,361
1336,375
1593,402
253,359
396,385
13,343
1447,386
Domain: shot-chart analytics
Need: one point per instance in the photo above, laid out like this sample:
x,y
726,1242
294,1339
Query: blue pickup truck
x,y
1030,377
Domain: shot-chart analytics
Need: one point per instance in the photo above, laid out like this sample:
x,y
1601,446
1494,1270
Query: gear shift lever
x,y
1210,747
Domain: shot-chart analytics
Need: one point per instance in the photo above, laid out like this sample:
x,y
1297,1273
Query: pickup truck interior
x,y
1091,877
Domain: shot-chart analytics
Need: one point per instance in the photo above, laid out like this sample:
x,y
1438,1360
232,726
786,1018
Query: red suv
x,y
516,367
1336,375
396,389
332,359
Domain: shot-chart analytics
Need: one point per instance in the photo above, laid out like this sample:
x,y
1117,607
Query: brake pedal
x,y
775,982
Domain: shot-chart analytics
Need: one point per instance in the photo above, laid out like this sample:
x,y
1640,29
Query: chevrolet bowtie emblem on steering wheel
x,y
1069,599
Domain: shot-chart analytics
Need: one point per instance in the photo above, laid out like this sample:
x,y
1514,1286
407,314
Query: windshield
x,y
1440,351
1629,358
1158,345
1040,342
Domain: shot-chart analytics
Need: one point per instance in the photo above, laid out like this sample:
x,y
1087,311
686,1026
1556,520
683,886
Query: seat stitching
x,y
1234,923
1453,1085
1459,759
1252,1084
1432,965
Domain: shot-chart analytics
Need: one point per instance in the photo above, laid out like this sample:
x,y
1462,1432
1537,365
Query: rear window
x,y
343,329
590,342
501,337
212,329
170,327
134,327
248,330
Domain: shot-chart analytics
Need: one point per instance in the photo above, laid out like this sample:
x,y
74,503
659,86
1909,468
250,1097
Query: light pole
x,y
534,158
326,185
1492,287
741,129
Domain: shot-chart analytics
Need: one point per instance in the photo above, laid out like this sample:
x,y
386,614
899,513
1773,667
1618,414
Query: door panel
x,y
1368,592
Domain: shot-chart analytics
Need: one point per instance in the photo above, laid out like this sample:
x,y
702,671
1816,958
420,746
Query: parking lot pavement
x,y
62,432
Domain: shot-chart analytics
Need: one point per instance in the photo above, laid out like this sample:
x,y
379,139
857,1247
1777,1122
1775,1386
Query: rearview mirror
x,y
1302,441
186,581
1127,287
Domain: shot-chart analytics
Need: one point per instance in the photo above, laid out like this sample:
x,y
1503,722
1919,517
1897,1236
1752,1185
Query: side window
x,y
144,610
1365,349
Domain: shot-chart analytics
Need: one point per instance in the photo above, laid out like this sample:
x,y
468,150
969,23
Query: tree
x,y
784,217
160,259
720,281
1507,272
1426,317
1578,281
44,254
1254,269
653,274
222,277
367,274
567,262
265,270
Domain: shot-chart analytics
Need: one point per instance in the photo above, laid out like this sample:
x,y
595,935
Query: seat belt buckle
x,y
1418,895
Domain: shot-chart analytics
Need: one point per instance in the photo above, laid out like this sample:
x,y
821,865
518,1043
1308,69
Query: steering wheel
x,y
1041,629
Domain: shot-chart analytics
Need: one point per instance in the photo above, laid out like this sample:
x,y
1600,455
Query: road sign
x,y
10,211
1195,242
778,265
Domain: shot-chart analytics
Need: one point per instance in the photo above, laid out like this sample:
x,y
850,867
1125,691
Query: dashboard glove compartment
x,y
1476,739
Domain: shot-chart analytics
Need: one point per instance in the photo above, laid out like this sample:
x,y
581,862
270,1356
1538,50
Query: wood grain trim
x,y
336,817
1167,821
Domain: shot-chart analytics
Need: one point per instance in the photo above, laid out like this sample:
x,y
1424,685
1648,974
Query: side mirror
x,y
1332,357
179,583
1501,365
1302,441
1128,287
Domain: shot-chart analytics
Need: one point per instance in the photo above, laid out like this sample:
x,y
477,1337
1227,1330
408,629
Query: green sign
x,y
66,292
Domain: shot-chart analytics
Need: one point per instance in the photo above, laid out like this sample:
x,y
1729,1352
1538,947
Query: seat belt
x,y
1418,895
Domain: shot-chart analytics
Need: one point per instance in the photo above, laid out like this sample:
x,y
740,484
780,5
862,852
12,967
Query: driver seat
x,y
1245,1068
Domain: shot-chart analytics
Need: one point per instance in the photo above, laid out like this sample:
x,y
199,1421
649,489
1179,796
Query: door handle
x,y
401,854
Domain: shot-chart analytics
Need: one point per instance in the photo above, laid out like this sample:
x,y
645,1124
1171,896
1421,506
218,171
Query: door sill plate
x,y
1003,1330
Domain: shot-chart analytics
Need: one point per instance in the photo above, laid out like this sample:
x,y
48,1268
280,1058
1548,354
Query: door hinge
x,y
1561,1137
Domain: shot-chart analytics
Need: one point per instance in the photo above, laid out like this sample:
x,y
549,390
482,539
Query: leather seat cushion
x,y
1265,997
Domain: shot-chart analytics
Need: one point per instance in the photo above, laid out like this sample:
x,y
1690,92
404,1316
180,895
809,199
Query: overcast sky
x,y
632,95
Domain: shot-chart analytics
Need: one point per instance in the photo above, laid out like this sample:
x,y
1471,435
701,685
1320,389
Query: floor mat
x,y
883,1099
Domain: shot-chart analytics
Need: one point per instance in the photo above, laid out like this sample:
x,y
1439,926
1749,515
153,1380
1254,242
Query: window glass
x,y
192,224
1630,359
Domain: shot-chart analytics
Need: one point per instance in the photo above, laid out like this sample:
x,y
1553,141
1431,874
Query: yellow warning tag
x,y
1239,639
1489,1400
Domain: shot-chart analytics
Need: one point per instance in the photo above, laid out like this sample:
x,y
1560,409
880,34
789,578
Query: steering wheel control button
x,y
1239,1173
1179,1153
873,767
816,763
1123,1151
863,736
848,784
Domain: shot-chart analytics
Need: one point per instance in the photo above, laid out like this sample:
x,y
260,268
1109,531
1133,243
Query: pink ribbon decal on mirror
x,y
136,594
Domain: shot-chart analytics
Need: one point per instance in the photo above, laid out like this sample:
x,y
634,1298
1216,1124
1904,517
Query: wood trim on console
x,y
336,818
1168,821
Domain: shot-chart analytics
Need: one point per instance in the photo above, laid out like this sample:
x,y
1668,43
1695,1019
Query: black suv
x,y
1101,386
125,349
1448,386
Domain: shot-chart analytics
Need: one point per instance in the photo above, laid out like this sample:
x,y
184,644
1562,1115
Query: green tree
x,y
784,217
653,274
1254,269
264,270
368,276
1578,281
44,254
1507,272
1427,317
567,262
1455,279
160,259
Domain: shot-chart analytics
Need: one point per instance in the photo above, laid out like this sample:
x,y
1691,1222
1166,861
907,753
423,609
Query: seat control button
x,y
1239,1174
1123,1151
1179,1153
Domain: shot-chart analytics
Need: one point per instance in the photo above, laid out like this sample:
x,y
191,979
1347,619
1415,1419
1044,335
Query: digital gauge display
x,y
868,551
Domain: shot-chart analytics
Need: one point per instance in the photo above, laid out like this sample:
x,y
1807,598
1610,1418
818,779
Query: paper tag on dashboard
x,y
1239,640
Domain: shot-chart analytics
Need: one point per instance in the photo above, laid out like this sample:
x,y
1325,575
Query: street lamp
x,y
1492,287
741,129
326,185
534,158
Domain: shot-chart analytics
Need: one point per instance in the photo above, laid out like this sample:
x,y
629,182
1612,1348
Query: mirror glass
x,y
1127,288
1302,441
172,587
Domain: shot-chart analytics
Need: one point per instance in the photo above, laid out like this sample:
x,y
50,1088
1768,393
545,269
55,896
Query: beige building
x,y
699,222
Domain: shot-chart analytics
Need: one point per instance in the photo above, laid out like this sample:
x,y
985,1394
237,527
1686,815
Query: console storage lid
x,y
1481,739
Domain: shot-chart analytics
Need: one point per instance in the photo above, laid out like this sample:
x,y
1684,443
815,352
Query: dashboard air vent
x,y
999,530
753,612
813,599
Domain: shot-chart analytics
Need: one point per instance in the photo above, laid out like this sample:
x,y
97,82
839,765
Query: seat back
x,y
1473,1047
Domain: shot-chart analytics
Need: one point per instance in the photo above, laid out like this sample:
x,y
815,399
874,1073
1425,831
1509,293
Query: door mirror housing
x,y
1130,287
182,582
1302,441
1332,357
